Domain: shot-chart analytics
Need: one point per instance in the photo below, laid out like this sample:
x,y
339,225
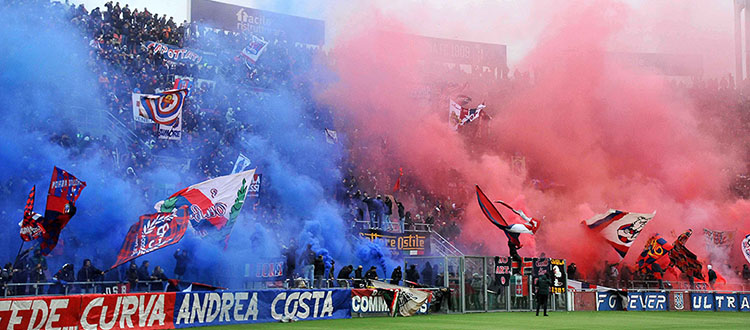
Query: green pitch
x,y
526,320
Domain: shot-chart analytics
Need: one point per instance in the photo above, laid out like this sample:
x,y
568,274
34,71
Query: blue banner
x,y
726,302
647,301
744,302
607,301
236,307
702,301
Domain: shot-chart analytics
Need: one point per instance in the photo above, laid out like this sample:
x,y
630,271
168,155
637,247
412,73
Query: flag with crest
x,y
150,233
64,190
656,247
619,228
31,226
213,205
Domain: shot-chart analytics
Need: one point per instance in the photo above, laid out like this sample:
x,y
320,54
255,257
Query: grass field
x,y
526,320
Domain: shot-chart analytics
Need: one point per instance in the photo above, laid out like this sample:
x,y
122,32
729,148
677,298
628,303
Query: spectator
x,y
396,275
371,274
572,271
144,276
344,275
331,277
711,276
319,267
358,277
182,259
61,278
159,275
412,276
291,262
88,273
308,258
427,274
746,273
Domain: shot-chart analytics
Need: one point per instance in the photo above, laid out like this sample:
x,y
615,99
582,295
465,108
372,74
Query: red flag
x,y
31,227
397,186
150,233
64,190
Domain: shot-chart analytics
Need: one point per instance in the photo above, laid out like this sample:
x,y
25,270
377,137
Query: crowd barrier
x,y
664,300
169,310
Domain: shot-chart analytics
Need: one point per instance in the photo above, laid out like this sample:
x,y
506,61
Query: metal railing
x,y
66,288
442,246
395,226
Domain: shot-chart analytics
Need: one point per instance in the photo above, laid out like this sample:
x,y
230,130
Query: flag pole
x,y
19,252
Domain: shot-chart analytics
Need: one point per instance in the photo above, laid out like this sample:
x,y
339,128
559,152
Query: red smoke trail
x,y
608,135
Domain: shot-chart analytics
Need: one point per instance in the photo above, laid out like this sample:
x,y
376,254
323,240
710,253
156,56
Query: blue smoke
x,y
55,113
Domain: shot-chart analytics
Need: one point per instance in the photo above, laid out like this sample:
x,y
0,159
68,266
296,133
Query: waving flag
x,y
685,260
656,247
64,190
241,164
495,217
619,228
164,108
213,204
150,233
397,186
455,115
255,49
31,226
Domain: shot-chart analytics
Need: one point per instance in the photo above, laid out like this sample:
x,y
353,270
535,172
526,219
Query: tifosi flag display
x,y
164,109
494,216
619,228
31,226
64,190
241,164
401,300
718,243
213,204
150,233
656,247
685,260
255,49
454,114
746,247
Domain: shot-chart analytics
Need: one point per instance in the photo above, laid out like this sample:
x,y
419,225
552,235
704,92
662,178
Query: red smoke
x,y
607,135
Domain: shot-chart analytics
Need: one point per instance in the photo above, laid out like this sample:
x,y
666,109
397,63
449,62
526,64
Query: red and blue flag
x,y
64,190
494,216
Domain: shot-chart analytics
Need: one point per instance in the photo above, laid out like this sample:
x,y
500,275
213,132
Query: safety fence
x,y
660,300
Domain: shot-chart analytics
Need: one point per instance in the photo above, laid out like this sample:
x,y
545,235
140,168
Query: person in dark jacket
x,y
88,273
344,275
427,274
711,276
412,275
372,274
61,278
132,275
396,275
181,257
401,215
308,264
542,293
358,277
319,270
159,275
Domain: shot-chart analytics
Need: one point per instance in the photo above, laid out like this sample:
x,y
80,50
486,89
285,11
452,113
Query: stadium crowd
x,y
118,57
